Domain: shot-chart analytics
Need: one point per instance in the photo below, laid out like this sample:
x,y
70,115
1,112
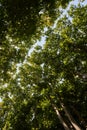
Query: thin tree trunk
x,y
82,121
73,122
60,117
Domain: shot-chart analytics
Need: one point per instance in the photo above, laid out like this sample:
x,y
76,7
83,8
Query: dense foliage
x,y
48,88
21,24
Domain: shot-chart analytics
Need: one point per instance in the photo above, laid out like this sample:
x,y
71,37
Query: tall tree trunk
x,y
73,122
82,121
60,117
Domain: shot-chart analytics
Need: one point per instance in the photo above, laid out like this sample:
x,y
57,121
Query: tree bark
x,y
73,122
82,121
60,117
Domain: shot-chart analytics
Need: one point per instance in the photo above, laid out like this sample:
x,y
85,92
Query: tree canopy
x,y
48,89
22,23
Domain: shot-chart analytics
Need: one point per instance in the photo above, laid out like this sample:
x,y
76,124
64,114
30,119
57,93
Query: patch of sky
x,y
40,43
43,38
65,11
61,81
58,51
